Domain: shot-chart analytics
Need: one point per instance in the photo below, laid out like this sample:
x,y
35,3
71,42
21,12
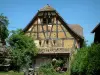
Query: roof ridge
x,y
47,8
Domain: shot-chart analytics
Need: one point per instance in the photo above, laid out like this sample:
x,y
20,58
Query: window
x,y
47,41
54,41
44,21
40,42
47,20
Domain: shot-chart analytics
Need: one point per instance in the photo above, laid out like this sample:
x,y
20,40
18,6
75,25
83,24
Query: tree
x,y
87,61
23,50
84,44
3,27
4,52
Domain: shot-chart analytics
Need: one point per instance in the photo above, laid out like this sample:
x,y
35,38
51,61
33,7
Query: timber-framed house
x,y
53,36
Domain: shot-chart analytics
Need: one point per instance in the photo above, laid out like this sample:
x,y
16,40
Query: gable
x,y
57,30
54,30
71,28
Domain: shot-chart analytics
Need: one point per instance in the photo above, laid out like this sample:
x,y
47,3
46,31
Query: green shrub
x,y
23,50
48,69
87,61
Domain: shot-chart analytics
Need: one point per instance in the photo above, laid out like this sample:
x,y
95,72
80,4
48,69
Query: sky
x,y
83,12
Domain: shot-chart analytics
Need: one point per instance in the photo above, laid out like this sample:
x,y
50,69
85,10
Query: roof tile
x,y
77,28
47,8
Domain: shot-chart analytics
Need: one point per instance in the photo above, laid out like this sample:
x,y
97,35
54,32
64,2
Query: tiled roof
x,y
47,8
77,28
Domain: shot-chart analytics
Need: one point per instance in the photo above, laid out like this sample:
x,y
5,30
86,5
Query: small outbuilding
x,y
96,30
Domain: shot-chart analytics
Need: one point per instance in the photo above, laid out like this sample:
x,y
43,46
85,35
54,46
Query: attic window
x,y
47,20
44,21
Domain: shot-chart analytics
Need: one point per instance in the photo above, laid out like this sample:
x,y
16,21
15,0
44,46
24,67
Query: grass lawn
x,y
11,73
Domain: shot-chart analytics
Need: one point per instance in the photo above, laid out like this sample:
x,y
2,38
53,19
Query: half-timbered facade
x,y
53,36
